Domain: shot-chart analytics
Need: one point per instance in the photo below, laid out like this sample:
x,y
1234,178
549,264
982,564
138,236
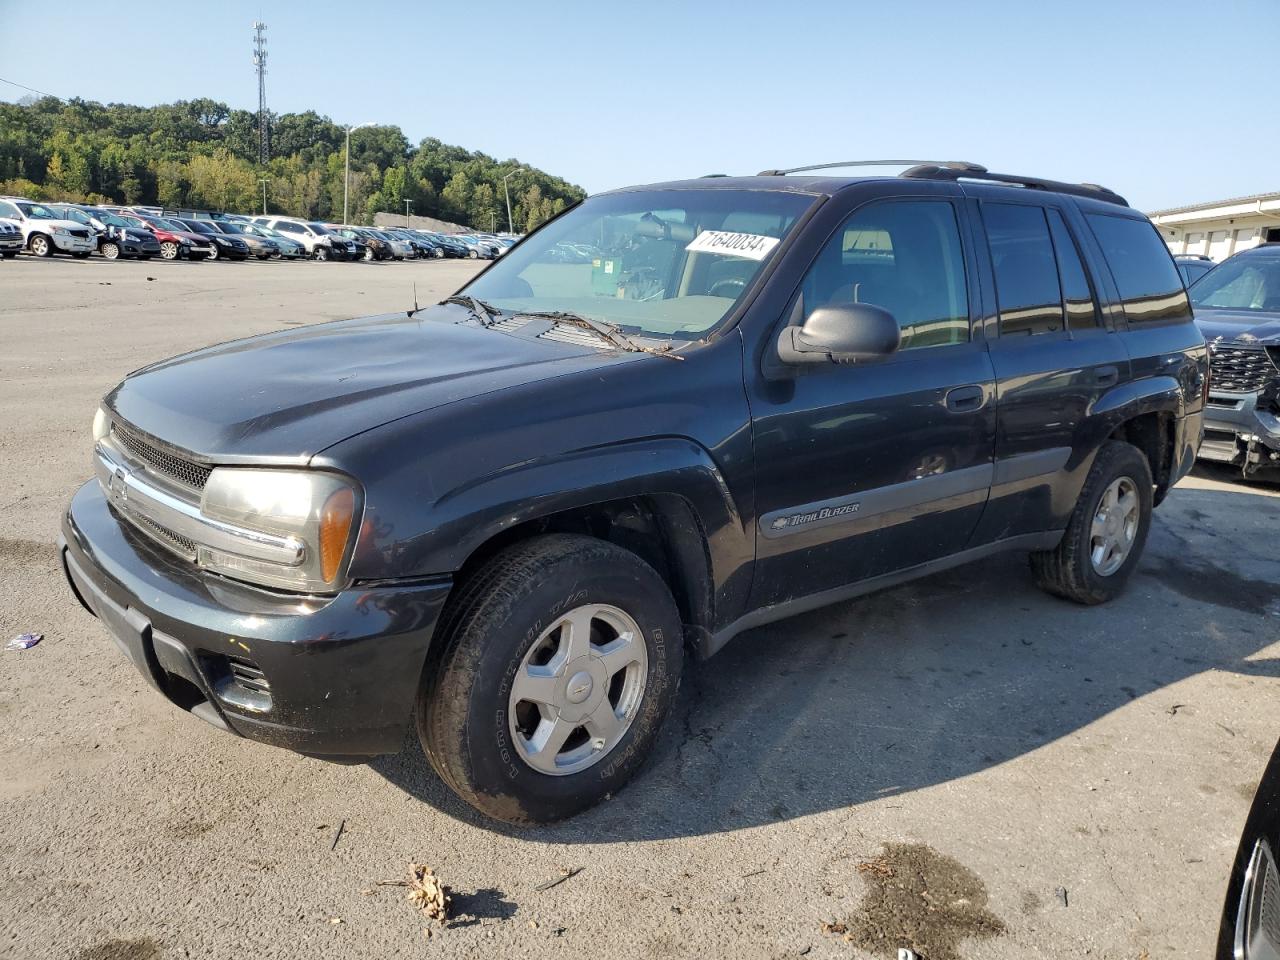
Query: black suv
x,y
1238,309
505,517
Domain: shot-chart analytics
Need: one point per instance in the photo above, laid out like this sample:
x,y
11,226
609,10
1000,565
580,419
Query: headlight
x,y
220,241
101,425
317,509
61,232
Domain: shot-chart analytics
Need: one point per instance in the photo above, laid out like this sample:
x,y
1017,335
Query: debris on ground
x,y
336,834
1061,894
428,893
150,278
920,901
1173,711
906,953
565,874
24,641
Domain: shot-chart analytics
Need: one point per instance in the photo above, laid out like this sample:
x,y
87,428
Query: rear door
x,y
1055,352
866,469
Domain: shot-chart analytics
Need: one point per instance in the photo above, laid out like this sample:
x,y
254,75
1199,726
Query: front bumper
x,y
319,675
11,243
1238,431
74,244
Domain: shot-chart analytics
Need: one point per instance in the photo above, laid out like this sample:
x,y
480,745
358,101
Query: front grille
x,y
174,541
1240,369
186,472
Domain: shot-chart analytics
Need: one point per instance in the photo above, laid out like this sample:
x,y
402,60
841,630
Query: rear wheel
x,y
40,245
558,661
1107,530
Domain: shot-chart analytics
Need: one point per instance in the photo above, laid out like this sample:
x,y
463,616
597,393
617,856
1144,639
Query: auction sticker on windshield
x,y
752,246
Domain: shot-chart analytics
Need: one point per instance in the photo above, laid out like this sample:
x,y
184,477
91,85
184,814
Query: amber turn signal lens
x,y
335,527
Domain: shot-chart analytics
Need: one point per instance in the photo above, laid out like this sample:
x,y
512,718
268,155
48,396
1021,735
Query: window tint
x,y
1027,287
1144,273
1077,295
288,227
905,256
9,210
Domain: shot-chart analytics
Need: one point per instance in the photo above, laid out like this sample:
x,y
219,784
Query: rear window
x,y
1144,273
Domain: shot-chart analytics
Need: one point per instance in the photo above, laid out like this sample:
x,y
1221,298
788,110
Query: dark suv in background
x,y
503,518
1238,309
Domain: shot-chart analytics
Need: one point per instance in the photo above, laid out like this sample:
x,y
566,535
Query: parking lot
x,y
1091,767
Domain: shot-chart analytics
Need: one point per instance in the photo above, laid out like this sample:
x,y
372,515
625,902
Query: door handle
x,y
966,399
1106,376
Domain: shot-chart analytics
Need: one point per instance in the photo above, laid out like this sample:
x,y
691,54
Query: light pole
x,y
264,181
346,175
507,193
407,205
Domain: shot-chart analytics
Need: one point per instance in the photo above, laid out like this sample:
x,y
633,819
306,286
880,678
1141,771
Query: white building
x,y
1222,227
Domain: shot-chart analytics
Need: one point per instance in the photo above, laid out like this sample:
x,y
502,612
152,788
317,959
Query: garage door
x,y
1219,245
1195,243
1246,238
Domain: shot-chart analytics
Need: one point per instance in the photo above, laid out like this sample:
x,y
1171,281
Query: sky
x,y
1165,101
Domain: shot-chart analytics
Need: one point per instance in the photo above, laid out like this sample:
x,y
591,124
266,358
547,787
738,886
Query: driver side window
x,y
904,256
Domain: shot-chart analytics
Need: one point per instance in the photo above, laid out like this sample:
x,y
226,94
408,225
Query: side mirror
x,y
841,333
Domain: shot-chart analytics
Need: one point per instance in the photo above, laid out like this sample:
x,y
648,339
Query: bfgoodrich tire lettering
x,y
1068,570
494,619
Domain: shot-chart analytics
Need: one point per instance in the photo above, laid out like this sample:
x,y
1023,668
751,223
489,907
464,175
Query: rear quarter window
x,y
1149,284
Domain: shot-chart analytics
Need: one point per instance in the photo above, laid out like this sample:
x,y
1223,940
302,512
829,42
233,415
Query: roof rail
x,y
947,164
937,171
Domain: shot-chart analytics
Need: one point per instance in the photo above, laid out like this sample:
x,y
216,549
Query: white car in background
x,y
45,233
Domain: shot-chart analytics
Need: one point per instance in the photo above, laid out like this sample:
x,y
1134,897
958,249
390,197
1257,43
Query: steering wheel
x,y
732,285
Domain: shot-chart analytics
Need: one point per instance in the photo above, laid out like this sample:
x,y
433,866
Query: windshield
x,y
228,227
164,224
110,218
38,212
1243,283
199,226
320,228
668,263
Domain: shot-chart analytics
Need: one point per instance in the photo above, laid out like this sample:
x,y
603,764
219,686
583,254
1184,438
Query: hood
x,y
284,397
1243,325
64,224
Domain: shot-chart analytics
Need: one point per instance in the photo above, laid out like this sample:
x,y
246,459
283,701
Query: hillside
x,y
202,153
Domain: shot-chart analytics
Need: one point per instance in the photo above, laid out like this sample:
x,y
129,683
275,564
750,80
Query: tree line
x,y
201,153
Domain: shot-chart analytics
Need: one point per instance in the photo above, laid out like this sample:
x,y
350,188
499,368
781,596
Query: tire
x,y
214,254
263,256
110,249
169,250
369,255
509,611
439,254
10,254
321,252
144,256
474,255
1072,570
40,245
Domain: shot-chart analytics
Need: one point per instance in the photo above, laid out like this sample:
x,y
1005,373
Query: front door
x,y
866,469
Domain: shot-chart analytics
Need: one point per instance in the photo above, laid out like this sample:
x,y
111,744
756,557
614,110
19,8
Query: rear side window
x,y
1027,286
1149,284
1077,295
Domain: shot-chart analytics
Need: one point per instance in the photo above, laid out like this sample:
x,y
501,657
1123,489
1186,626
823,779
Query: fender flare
x,y
1160,394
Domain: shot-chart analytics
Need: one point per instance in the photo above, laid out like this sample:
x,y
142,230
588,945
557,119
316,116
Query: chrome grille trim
x,y
175,541
155,458
1234,369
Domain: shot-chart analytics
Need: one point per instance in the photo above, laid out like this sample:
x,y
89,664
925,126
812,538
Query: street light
x,y
407,205
346,176
510,228
264,181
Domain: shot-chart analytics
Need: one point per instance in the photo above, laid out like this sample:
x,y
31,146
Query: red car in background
x,y
175,242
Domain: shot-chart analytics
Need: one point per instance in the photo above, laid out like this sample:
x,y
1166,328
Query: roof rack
x,y
936,171
963,170
948,164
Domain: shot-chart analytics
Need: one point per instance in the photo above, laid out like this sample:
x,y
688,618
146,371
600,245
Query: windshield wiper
x,y
485,314
608,331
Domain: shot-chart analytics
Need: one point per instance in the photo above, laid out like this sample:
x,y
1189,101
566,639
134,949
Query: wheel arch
x,y
1144,413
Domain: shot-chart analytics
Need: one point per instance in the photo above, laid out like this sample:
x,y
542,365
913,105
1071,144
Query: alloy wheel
x,y
1114,527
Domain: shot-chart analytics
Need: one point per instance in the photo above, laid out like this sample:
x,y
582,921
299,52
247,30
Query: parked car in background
x,y
176,242
369,246
1237,307
321,242
287,247
10,238
407,243
116,236
1193,266
45,232
259,247
500,519
225,246
477,249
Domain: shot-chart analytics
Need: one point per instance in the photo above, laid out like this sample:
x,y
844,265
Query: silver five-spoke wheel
x,y
1115,527
578,689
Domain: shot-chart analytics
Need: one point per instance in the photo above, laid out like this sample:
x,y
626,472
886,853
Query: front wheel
x,y
214,253
169,250
558,662
474,255
322,253
40,245
110,249
1107,530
